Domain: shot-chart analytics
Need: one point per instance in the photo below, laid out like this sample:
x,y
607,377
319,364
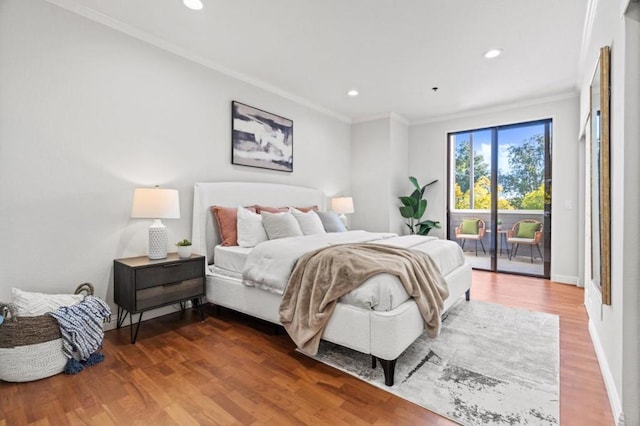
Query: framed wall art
x,y
260,138
601,178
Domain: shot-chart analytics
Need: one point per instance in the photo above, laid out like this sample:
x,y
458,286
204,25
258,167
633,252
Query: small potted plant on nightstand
x,y
184,248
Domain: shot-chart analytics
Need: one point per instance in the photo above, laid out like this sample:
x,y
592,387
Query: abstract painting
x,y
261,139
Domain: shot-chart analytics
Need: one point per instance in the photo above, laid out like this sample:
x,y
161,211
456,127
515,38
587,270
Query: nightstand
x,y
141,284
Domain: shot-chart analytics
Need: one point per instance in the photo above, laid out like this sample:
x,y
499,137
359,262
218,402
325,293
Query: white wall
x,y
369,176
631,232
428,147
87,114
400,185
379,155
615,328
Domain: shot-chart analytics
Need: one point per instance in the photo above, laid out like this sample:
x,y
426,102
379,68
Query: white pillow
x,y
30,304
280,225
250,229
309,222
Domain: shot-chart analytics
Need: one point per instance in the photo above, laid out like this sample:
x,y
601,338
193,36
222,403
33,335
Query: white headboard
x,y
205,234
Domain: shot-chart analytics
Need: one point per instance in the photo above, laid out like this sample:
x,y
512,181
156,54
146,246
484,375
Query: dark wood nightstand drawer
x,y
167,273
141,284
169,293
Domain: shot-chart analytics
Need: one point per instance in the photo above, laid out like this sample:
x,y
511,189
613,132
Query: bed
x,y
384,333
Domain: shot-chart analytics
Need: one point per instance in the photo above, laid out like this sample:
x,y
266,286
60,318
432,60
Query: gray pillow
x,y
280,225
331,222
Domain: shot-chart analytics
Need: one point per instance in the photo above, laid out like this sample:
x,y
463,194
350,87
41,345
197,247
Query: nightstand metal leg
x,y
197,303
122,315
134,337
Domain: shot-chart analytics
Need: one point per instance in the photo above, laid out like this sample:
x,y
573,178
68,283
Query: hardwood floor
x,y
231,369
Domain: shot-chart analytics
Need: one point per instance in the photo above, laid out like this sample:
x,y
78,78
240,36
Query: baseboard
x,y
564,279
111,325
612,393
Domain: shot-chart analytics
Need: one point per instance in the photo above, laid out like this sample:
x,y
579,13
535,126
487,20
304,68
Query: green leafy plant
x,y
183,243
414,207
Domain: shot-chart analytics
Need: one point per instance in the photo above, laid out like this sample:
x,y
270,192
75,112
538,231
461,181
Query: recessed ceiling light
x,y
352,92
193,4
493,53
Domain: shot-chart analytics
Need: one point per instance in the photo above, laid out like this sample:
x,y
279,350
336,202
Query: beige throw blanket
x,y
321,277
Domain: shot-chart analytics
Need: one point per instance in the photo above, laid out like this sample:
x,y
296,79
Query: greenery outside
x,y
520,186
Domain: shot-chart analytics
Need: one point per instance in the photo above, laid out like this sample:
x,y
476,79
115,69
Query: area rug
x,y
491,365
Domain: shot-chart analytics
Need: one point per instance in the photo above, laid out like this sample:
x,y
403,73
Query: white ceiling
x,y
393,52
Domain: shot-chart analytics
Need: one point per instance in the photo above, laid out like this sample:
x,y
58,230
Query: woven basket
x,y
31,347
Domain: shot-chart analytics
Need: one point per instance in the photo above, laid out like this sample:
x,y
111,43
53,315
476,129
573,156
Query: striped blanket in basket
x,y
82,333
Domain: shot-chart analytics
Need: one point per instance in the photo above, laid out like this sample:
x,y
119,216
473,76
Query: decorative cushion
x,y
309,222
280,225
250,229
306,209
331,222
469,226
527,229
260,209
31,304
227,218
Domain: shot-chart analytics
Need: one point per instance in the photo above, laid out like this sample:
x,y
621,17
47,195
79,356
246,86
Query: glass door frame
x,y
546,214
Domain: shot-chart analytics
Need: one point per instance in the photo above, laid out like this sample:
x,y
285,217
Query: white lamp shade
x,y
156,203
342,205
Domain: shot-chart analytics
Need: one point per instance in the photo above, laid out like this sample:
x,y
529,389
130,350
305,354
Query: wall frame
x,y
601,177
260,139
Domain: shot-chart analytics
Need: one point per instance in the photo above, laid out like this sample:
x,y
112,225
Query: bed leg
x,y
373,361
467,294
389,368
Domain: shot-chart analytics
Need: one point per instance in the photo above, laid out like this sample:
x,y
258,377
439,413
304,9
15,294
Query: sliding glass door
x,y
499,204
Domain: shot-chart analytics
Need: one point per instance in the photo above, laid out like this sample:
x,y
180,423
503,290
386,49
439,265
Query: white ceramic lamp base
x,y
157,240
344,220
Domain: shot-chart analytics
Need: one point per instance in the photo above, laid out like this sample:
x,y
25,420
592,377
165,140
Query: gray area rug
x,y
491,365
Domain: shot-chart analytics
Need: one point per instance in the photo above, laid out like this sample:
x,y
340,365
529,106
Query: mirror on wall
x,y
600,179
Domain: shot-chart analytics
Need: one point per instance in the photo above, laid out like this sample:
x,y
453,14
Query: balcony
x,y
527,259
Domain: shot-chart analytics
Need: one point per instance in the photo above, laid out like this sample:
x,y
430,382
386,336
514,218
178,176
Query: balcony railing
x,y
528,259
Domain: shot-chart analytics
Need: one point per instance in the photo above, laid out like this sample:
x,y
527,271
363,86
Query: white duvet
x,y
270,263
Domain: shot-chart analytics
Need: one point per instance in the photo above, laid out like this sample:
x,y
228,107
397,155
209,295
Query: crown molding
x,y
383,115
158,42
498,108
399,118
587,29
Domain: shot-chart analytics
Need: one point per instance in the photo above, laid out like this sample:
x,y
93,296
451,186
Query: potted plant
x,y
414,207
184,248
499,224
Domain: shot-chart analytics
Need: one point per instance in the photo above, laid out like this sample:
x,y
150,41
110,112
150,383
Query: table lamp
x,y
342,205
156,203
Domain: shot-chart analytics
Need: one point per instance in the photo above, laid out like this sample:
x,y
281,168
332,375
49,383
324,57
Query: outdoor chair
x,y
471,229
527,231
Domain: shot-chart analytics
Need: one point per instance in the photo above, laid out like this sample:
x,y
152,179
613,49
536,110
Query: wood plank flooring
x,y
230,369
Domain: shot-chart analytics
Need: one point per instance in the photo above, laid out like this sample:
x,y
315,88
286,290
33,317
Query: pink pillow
x,y
227,218
268,209
260,209
307,209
